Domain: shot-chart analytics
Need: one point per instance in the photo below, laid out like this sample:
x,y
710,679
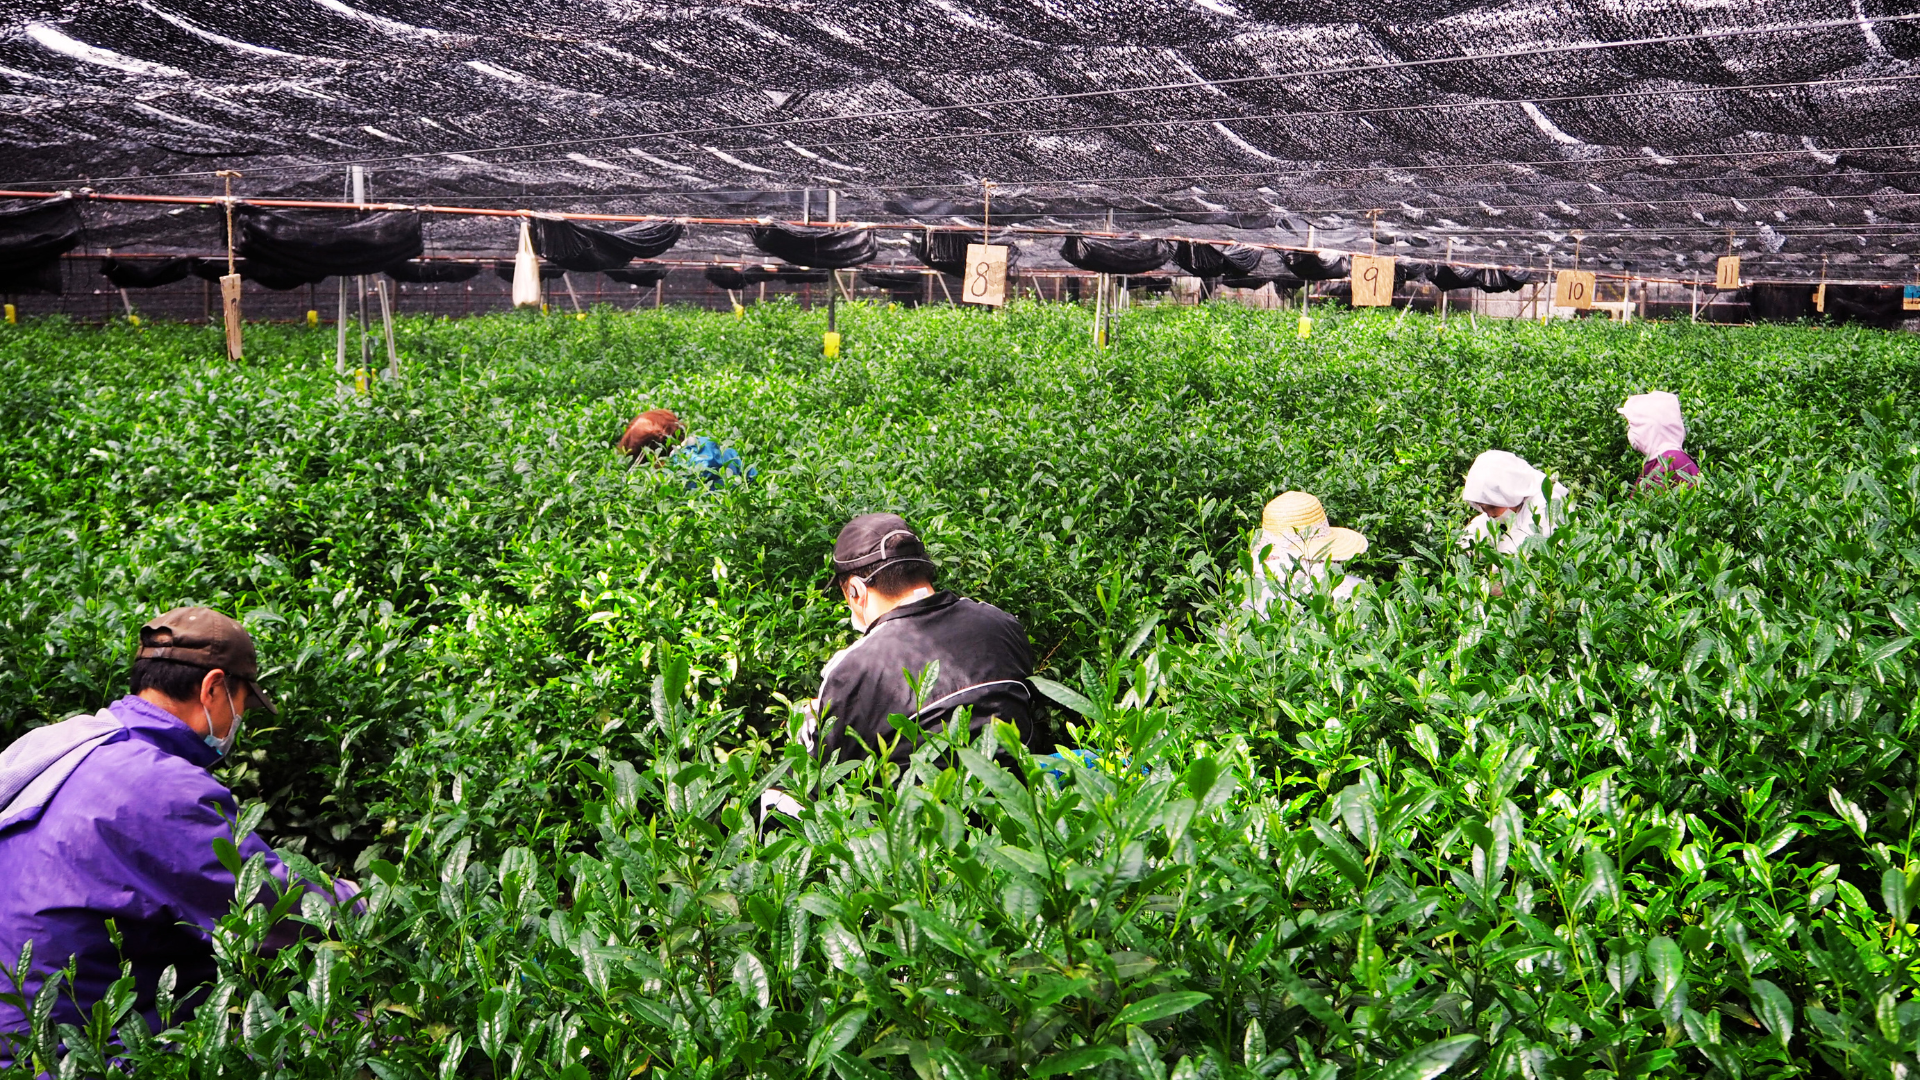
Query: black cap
x,y
872,541
205,638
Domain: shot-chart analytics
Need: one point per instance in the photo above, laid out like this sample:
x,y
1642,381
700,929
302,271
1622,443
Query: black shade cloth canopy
x,y
1104,256
1447,278
145,273
1212,260
573,246
434,272
639,275
820,247
326,243
264,274
34,234
548,271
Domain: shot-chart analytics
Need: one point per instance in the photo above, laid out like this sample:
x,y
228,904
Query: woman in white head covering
x,y
1508,493
1656,429
1296,551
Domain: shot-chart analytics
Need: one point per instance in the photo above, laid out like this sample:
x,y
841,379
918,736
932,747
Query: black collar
x,y
939,601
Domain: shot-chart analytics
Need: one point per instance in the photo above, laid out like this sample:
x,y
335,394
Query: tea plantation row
x,y
1649,812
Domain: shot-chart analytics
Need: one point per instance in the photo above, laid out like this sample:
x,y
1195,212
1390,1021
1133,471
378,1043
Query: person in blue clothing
x,y
659,435
114,816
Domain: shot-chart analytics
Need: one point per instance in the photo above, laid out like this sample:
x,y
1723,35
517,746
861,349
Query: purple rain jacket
x,y
128,836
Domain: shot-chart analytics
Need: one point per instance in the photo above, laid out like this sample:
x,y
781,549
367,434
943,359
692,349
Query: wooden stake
x,y
230,284
386,325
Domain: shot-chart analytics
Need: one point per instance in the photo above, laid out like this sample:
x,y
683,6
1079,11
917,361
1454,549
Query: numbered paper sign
x,y
1910,298
1726,272
1573,289
1373,281
986,277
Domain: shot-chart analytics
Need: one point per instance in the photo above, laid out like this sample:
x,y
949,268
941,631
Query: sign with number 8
x,y
986,276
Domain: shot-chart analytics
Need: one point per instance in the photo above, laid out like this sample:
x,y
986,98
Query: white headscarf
x,y
1499,478
1654,423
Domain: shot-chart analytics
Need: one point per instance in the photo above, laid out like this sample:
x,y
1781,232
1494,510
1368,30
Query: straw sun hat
x,y
1297,521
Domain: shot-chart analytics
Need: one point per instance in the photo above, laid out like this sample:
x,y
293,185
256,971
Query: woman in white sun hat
x,y
1296,551
1511,497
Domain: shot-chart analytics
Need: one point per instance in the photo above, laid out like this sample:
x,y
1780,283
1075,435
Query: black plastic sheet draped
x,y
1317,265
1868,305
423,272
35,234
327,243
1282,283
1212,260
1778,302
796,276
944,249
821,247
1116,256
894,279
44,277
145,273
548,271
639,275
1448,278
265,275
574,246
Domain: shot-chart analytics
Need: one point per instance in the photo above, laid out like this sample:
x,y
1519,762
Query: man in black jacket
x,y
881,569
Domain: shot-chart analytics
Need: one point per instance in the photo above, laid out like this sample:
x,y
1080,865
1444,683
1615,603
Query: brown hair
x,y
654,430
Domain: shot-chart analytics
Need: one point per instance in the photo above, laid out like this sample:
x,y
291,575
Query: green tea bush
x,y
1645,810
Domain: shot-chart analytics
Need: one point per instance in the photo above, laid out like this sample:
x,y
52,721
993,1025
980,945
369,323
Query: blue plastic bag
x,y
708,460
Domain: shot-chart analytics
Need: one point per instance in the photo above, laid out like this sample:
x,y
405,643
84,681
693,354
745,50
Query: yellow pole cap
x,y
313,318
12,317
361,378
1306,327
830,344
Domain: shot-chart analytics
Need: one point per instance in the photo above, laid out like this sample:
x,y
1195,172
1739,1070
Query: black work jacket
x,y
984,662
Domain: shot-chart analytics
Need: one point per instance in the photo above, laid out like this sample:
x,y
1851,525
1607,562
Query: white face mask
x,y
225,746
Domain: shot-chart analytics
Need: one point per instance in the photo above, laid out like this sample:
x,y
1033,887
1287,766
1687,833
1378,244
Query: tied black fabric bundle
x,y
1317,265
1448,278
894,279
422,272
820,247
1212,260
1282,283
548,271
145,273
1116,256
638,275
573,246
327,243
264,274
734,279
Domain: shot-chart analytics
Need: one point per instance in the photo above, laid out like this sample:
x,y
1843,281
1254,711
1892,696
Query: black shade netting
x,y
1317,265
820,247
1212,260
432,272
639,275
34,234
1152,285
548,271
145,273
1116,256
265,275
1771,301
895,279
327,243
1868,305
574,246
44,277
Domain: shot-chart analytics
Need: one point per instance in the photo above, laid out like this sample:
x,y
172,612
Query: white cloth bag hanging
x,y
526,270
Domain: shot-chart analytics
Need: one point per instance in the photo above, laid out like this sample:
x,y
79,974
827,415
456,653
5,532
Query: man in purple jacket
x,y
114,816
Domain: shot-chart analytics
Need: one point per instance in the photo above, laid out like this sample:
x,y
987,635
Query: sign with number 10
x,y
985,281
